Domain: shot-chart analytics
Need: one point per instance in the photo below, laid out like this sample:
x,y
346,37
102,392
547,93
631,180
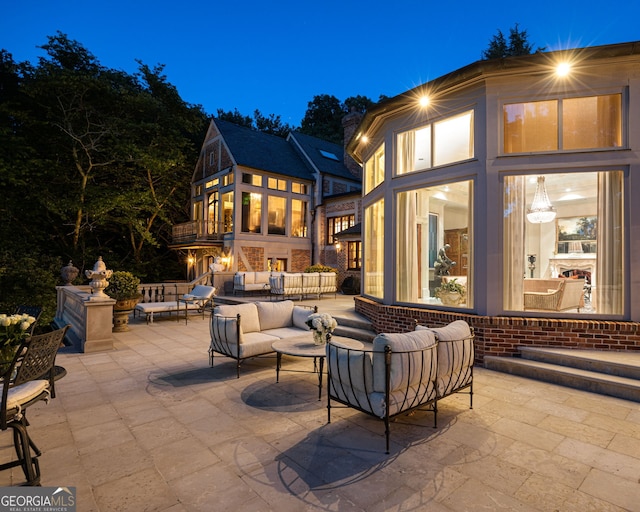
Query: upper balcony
x,y
199,231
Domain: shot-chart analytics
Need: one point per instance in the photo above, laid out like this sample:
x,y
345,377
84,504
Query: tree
x,y
323,118
271,124
518,45
103,158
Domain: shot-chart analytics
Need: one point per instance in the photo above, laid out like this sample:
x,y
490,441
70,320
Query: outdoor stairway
x,y
350,327
604,372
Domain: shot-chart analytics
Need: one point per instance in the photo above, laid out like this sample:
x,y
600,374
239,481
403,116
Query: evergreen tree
x,y
518,45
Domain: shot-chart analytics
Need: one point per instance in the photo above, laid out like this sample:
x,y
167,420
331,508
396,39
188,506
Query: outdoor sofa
x,y
247,330
401,372
302,284
245,282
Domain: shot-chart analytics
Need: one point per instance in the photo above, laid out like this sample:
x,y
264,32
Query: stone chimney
x,y
350,124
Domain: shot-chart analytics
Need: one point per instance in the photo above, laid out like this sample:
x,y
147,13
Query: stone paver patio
x,y
150,426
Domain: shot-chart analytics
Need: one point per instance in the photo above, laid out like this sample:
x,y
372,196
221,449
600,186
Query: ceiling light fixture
x,y
541,210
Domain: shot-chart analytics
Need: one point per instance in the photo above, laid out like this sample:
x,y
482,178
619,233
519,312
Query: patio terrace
x,y
150,426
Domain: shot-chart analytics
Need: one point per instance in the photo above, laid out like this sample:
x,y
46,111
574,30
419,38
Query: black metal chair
x,y
28,380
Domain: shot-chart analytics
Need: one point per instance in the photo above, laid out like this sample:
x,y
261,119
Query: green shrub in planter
x,y
320,268
123,286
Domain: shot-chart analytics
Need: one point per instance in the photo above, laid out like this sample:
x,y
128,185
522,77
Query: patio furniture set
x,y
286,284
27,379
395,374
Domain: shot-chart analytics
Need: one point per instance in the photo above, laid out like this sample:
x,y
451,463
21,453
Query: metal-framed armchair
x,y
27,380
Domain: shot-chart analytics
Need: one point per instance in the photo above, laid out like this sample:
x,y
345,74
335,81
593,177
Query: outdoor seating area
x,y
283,285
197,300
401,372
143,425
248,330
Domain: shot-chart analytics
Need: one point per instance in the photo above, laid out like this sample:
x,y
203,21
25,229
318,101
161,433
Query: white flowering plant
x,y
14,329
321,324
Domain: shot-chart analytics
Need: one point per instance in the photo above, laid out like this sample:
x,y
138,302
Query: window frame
x,y
560,122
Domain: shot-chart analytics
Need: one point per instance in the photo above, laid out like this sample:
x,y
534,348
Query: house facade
x,y
258,201
511,176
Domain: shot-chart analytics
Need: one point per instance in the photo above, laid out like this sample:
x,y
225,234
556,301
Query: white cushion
x,y
290,332
225,329
256,343
275,314
402,363
300,316
202,291
262,277
248,315
20,395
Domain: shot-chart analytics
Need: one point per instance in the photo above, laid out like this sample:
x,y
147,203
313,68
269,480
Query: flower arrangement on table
x,y
322,325
14,329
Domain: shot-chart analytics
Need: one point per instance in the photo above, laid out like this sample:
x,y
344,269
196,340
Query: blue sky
x,y
275,56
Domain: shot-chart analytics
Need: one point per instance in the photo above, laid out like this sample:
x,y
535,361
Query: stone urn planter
x,y
123,287
451,293
450,298
122,309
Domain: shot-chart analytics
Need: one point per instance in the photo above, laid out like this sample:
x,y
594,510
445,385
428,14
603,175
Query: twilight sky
x,y
275,56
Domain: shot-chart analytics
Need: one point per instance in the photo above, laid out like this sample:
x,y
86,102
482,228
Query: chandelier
x,y
541,210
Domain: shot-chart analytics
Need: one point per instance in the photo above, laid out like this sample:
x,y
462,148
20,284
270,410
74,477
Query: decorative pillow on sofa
x,y
248,315
274,315
300,316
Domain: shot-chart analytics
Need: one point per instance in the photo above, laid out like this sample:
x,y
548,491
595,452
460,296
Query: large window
x,y
277,209
337,224
433,243
298,218
277,184
251,212
227,212
374,250
574,262
451,140
374,170
571,123
354,255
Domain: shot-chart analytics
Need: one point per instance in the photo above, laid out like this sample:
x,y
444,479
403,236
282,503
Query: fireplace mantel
x,y
562,262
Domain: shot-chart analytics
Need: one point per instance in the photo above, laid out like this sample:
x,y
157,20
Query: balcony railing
x,y
195,230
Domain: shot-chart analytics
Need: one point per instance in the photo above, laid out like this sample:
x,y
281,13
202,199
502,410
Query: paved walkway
x,y
149,426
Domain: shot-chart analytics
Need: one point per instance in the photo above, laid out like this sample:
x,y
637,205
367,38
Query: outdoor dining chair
x,y
28,380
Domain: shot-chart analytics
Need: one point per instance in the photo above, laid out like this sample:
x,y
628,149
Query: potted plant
x,y
123,287
451,293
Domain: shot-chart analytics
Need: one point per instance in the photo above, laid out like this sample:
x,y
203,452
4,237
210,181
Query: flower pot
x,y
121,311
450,298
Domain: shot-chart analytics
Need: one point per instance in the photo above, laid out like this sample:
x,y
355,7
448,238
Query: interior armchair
x,y
28,380
553,294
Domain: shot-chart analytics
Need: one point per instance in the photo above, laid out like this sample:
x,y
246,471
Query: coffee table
x,y
301,346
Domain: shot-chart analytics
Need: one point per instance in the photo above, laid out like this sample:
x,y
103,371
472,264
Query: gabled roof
x,y
325,157
353,232
259,150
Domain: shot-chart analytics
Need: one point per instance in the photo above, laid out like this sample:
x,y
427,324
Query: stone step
x,y
622,364
354,333
592,381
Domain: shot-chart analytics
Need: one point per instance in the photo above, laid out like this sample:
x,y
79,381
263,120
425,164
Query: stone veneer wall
x,y
501,335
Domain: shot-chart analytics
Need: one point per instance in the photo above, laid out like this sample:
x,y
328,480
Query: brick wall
x,y
300,259
501,336
254,257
